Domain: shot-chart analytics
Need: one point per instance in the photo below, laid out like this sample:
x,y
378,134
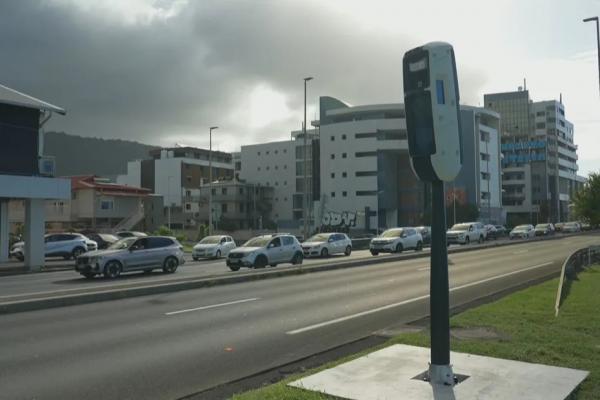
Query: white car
x,y
213,247
396,240
325,244
66,245
264,250
466,232
571,227
522,232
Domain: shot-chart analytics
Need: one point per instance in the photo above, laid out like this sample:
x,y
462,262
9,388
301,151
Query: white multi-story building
x,y
280,165
177,174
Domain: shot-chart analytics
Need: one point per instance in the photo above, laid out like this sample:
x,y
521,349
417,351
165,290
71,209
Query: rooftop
x,y
105,186
16,98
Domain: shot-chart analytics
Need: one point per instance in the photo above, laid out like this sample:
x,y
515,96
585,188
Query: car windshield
x,y
122,244
322,237
392,233
542,226
211,240
522,228
259,241
460,227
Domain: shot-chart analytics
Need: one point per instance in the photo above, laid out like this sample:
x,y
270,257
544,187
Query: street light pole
x,y
597,41
305,202
210,210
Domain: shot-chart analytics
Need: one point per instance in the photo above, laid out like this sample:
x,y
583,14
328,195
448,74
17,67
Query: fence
x,y
575,263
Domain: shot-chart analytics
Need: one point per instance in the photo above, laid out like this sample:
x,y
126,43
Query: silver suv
x,y
132,254
66,245
261,251
466,232
396,240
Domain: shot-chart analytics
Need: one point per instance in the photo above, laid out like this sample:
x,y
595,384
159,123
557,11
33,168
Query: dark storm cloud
x,y
145,81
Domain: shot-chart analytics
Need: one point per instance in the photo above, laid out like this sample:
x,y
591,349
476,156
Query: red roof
x,y
90,182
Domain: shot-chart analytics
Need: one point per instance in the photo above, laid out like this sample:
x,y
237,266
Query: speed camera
x,y
432,111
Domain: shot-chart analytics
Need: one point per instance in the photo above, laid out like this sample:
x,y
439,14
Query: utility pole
x,y
305,205
210,179
597,41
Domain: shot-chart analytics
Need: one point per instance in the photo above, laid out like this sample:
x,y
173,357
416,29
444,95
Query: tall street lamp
x,y
305,205
210,179
597,41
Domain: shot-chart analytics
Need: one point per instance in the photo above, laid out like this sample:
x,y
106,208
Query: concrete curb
x,y
196,283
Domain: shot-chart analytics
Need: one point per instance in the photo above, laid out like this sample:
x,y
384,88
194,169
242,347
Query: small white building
x,y
25,173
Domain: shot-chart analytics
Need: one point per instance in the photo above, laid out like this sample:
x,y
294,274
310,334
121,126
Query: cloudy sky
x,y
161,72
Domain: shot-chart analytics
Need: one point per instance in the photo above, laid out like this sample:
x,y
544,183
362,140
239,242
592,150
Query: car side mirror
x,y
330,240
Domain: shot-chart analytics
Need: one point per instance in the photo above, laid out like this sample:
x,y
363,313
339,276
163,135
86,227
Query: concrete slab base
x,y
387,375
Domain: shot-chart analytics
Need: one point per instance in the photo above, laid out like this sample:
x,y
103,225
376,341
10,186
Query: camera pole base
x,y
441,375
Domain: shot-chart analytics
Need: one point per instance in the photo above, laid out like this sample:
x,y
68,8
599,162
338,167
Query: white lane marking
x,y
229,303
521,252
413,300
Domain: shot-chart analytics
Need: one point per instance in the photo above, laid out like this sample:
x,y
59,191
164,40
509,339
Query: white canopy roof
x,y
12,97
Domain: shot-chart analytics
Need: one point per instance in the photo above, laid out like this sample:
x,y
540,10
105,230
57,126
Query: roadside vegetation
x,y
520,327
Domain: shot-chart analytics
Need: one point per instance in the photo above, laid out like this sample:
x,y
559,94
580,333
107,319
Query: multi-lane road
x,y
170,345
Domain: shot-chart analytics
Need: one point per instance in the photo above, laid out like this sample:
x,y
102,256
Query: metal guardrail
x,y
575,263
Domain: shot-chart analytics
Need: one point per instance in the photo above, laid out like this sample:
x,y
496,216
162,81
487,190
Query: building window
x,y
258,168
333,156
333,175
268,167
267,152
223,208
258,153
214,192
241,190
344,174
366,154
276,151
366,192
188,206
284,183
241,207
224,191
485,195
106,204
285,199
344,155
332,194
344,194
484,136
188,179
365,173
333,138
344,136
365,135
276,199
485,176
485,157
284,151
276,167
276,183
285,167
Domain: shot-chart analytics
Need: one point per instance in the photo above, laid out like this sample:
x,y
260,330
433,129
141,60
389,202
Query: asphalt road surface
x,y
171,345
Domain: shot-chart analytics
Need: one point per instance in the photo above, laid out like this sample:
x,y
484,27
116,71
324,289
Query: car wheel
x,y
399,248
195,258
77,251
112,269
298,258
419,246
170,265
374,253
88,275
218,254
467,240
348,250
234,267
324,252
260,262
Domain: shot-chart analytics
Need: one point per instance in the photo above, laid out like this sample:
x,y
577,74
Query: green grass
x,y
527,329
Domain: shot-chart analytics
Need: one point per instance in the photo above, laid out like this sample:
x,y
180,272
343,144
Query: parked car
x,y
325,244
126,234
586,226
501,230
213,247
522,232
264,250
425,232
66,245
396,240
558,227
571,227
466,232
491,232
544,230
104,240
132,254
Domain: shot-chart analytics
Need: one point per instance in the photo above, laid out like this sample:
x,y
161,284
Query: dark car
x,y
500,230
104,240
425,232
492,232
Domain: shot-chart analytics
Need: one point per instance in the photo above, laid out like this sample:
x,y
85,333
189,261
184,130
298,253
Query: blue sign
x,y
525,145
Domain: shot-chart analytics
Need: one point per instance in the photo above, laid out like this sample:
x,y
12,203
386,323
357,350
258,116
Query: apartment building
x,y
539,161
177,174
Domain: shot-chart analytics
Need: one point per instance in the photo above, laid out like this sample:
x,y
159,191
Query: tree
x,y
586,202
464,213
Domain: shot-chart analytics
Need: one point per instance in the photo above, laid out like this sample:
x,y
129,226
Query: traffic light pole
x,y
440,370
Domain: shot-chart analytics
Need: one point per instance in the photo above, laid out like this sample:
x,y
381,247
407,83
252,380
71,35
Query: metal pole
x,y
595,19
305,202
439,303
453,203
169,200
210,209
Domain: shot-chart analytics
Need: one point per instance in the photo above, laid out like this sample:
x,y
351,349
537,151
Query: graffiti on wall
x,y
334,221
